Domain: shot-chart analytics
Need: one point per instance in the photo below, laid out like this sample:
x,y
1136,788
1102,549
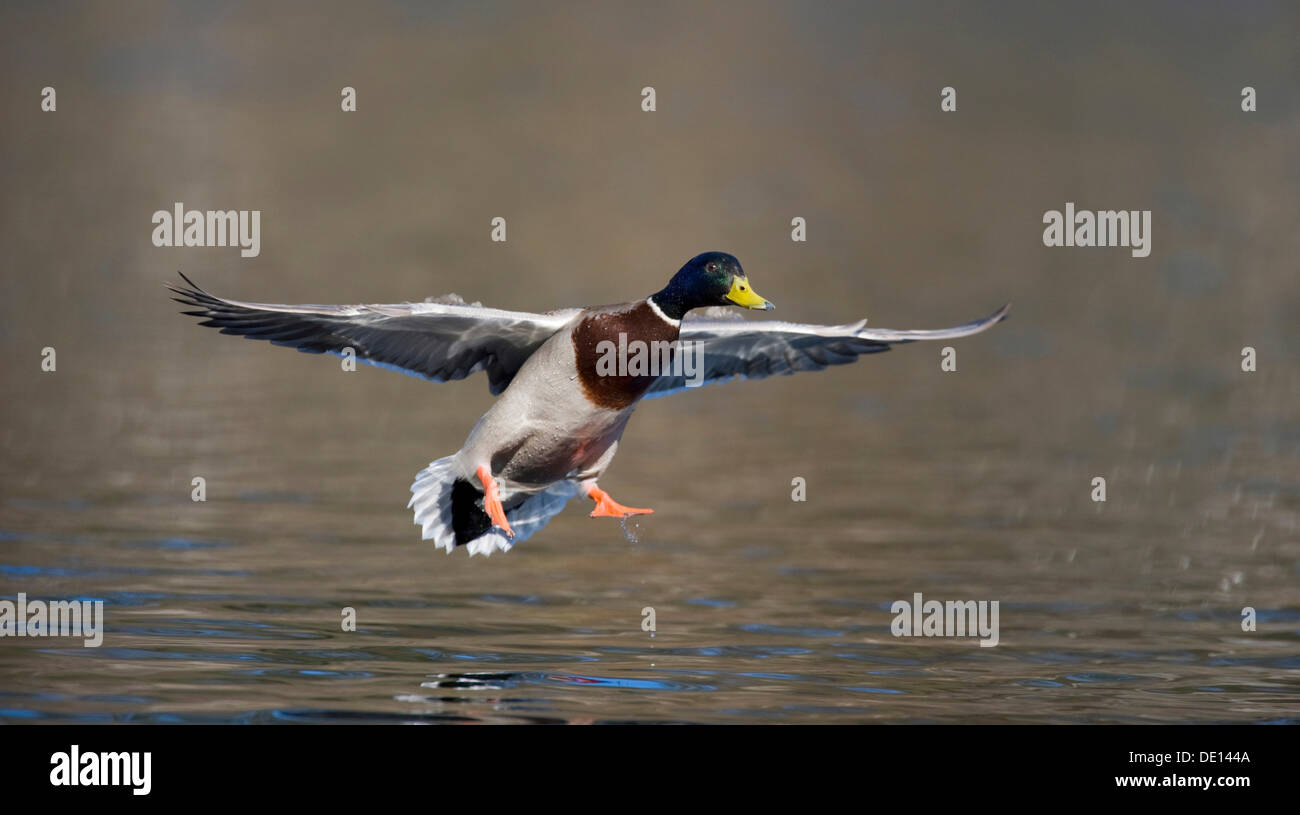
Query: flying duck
x,y
567,387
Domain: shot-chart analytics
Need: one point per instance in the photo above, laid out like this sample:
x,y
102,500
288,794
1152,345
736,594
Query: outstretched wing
x,y
738,348
435,341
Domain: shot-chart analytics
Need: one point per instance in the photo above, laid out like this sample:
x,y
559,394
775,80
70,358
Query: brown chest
x,y
620,353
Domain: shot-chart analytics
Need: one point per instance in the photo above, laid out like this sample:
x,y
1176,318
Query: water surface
x,y
968,485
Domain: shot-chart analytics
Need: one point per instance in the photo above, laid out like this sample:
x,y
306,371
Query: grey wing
x,y
434,341
737,348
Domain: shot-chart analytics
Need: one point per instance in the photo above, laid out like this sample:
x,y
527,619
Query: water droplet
x,y
630,533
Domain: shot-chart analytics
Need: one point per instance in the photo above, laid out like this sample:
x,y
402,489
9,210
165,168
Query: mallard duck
x,y
567,389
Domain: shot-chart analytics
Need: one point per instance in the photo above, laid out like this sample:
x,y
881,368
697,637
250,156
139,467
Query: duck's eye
x,y
712,267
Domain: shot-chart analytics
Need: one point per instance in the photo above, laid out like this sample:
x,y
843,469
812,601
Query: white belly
x,y
543,427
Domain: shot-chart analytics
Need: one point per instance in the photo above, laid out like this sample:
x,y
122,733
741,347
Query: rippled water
x,y
766,609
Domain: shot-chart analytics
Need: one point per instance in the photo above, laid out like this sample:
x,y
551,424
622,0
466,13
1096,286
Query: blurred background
x,y
974,484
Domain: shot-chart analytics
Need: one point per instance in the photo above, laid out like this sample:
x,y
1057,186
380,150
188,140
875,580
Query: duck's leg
x,y
607,507
492,501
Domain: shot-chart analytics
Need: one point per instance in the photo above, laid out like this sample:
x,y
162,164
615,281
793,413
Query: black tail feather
x,y
468,520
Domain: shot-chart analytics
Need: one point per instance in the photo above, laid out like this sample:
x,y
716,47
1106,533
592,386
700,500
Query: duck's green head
x,y
710,279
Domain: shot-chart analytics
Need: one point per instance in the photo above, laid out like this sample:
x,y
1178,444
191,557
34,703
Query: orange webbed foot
x,y
607,507
492,501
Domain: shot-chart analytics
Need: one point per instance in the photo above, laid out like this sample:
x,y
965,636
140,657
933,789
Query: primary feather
x,y
437,341
744,349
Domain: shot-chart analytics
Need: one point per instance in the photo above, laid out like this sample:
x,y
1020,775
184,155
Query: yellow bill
x,y
742,295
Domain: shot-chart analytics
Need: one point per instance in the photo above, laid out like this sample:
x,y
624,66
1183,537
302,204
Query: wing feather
x,y
756,349
437,341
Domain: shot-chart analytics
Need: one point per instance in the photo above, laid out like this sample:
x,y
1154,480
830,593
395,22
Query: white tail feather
x,y
431,503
